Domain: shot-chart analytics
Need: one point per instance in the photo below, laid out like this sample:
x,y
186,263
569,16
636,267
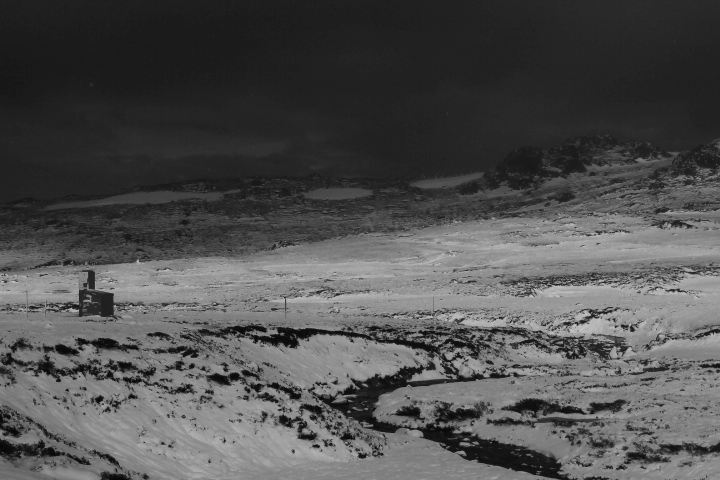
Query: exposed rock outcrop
x,y
528,166
704,156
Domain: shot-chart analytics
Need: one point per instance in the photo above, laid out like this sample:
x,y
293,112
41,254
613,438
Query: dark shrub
x,y
573,165
114,476
538,406
46,366
316,409
285,420
491,180
509,421
408,411
524,160
445,413
20,344
565,197
292,393
307,435
106,343
601,442
162,335
534,405
219,378
184,388
469,188
65,350
126,366
646,457
614,407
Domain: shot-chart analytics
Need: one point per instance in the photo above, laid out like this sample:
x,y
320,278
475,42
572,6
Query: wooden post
x,y
27,305
45,311
285,307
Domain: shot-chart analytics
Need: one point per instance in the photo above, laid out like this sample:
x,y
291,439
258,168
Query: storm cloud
x,y
133,92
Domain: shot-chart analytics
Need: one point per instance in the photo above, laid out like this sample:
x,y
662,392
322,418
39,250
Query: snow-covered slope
x,y
586,287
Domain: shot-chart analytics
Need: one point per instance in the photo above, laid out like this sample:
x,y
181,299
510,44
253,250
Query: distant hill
x,y
588,175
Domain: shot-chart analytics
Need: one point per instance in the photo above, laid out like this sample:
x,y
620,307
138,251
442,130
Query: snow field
x,y
445,182
646,424
140,198
175,422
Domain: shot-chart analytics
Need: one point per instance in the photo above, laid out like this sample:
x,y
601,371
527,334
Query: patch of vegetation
x,y
316,409
691,448
614,407
565,197
539,406
601,442
65,350
646,457
107,457
219,378
7,372
46,365
114,476
445,413
469,188
126,366
307,435
184,388
292,393
105,343
665,224
286,421
509,421
20,344
162,335
15,450
267,396
408,411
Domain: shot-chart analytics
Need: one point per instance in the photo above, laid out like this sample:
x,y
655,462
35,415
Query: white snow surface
x,y
573,276
162,196
447,181
407,459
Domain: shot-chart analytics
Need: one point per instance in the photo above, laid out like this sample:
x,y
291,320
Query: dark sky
x,y
101,95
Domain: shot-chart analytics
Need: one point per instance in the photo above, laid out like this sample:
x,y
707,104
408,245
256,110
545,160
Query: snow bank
x,y
142,198
412,460
447,181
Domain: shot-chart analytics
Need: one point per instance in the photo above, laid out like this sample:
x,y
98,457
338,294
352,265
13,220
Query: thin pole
x,y
434,308
27,305
45,311
285,307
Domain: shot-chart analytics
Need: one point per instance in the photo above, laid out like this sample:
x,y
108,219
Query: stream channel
x,y
361,407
